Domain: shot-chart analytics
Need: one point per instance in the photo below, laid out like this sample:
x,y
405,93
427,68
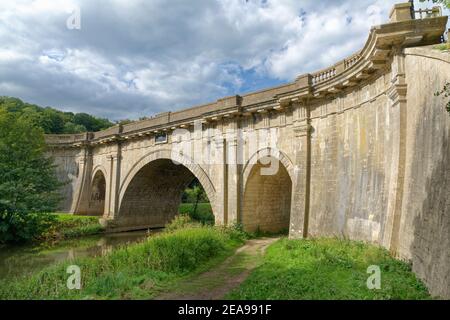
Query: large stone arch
x,y
267,199
160,176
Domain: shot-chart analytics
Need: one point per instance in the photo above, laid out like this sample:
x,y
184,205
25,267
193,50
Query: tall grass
x,y
135,271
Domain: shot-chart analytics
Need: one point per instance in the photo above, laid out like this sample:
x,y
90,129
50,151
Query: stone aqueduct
x,y
364,153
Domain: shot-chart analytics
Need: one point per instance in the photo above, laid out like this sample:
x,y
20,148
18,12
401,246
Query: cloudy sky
x,y
134,58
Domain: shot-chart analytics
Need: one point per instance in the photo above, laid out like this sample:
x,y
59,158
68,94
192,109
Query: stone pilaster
x,y
113,183
302,172
397,95
234,167
220,168
81,195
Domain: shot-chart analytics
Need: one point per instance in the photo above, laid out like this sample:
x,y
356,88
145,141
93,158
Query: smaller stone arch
x,y
96,170
97,193
267,199
267,152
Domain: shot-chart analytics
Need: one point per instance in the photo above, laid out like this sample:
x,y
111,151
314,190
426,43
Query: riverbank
x,y
68,226
139,271
29,258
328,269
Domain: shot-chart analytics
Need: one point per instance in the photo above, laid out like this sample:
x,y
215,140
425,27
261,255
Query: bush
x,y
16,227
202,214
179,222
66,226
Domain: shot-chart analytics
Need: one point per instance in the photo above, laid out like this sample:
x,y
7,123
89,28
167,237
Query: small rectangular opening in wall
x,y
161,138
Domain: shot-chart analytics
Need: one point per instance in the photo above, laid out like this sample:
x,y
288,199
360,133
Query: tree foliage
x,y
28,183
53,121
445,3
195,193
445,92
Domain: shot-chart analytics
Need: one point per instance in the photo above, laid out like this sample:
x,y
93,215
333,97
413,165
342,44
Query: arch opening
x,y
96,205
267,199
153,197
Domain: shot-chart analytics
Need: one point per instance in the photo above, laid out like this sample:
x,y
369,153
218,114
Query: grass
x,y
67,226
443,46
138,271
328,269
203,214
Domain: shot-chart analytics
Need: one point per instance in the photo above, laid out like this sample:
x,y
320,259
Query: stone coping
x,y
383,41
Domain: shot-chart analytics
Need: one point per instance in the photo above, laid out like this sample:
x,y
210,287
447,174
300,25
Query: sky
x,y
126,59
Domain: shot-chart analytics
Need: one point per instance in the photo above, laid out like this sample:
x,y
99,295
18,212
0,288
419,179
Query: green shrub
x,y
22,227
179,222
66,226
202,214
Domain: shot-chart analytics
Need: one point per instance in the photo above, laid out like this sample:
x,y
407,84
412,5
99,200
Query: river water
x,y
23,260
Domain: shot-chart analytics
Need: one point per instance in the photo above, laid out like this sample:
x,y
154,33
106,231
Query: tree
x,y
446,93
28,183
445,3
53,121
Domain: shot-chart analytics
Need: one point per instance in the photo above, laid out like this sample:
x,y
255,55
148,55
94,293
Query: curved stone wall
x,y
425,226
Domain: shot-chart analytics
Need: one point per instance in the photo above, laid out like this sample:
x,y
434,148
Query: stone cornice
x,y
375,57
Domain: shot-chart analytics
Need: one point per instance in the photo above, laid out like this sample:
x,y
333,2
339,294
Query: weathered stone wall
x,y
352,159
425,226
67,172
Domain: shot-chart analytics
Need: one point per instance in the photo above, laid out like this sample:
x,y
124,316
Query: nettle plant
x,y
446,93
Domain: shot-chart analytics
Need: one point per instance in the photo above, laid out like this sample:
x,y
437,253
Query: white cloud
x,y
136,58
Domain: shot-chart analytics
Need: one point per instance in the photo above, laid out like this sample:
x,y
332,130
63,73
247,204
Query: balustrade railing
x,y
323,75
428,13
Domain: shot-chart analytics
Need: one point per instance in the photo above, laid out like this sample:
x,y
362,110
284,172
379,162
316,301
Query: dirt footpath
x,y
216,283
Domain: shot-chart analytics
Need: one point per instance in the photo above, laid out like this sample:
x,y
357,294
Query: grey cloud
x,y
138,58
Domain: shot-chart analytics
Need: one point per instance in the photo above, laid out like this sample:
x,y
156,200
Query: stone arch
x,y
98,168
267,199
97,193
268,152
154,183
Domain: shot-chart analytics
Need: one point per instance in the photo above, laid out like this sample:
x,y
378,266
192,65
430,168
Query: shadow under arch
x,y
266,204
151,191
